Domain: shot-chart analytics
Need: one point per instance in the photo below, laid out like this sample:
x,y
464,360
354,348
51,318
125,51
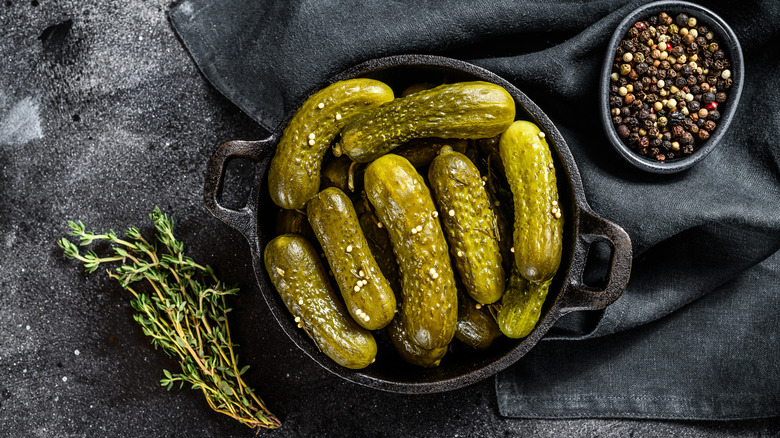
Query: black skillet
x,y
461,367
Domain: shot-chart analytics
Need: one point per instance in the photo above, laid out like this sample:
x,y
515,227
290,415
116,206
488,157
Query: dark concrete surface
x,y
103,116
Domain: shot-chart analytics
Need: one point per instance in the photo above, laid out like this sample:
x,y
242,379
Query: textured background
x,y
103,116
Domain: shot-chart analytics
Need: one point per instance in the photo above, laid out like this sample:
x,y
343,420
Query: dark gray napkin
x,y
695,335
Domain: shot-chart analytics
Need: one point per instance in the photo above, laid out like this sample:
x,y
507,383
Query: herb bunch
x,y
183,309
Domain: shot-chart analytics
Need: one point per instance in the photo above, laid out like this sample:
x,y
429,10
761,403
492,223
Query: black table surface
x,y
103,116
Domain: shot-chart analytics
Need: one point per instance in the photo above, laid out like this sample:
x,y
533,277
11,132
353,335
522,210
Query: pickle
x,y
367,294
294,222
428,295
521,305
538,225
462,110
299,277
469,223
378,242
476,327
336,174
410,351
294,173
422,151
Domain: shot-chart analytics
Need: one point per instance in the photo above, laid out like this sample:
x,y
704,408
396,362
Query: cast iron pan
x,y
460,367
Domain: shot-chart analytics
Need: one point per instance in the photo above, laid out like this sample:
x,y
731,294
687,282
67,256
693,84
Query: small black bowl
x,y
728,42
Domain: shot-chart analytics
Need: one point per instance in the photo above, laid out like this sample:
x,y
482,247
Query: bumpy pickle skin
x,y
294,173
521,306
409,350
476,327
366,292
469,223
474,109
404,205
538,225
378,241
300,279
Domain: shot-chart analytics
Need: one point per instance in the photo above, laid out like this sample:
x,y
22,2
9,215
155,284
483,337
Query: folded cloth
x,y
695,334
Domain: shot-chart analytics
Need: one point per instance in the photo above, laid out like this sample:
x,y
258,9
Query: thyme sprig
x,y
183,309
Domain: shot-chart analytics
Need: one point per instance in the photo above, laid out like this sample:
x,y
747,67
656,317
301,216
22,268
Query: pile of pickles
x,y
434,214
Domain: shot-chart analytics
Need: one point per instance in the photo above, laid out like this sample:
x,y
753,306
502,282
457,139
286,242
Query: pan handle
x,y
593,228
245,219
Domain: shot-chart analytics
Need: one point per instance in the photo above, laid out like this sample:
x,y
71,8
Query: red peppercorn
x,y
711,106
640,25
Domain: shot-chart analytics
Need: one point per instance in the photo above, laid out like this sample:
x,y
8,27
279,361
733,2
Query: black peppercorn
x,y
694,106
709,125
691,80
681,81
644,142
681,20
667,136
633,138
708,97
625,111
623,131
703,134
641,68
714,115
721,96
628,45
677,131
675,118
718,54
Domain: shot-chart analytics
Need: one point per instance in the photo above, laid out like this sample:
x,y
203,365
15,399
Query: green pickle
x,y
366,292
404,205
476,327
301,281
421,152
521,306
470,224
378,242
461,110
410,351
294,173
538,226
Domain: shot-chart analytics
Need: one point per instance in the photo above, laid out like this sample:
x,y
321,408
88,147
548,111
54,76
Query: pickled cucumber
x,y
366,292
378,242
409,350
470,224
461,110
299,277
476,327
421,152
403,203
538,224
294,173
521,305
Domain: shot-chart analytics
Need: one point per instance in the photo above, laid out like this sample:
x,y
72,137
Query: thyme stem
x,y
184,312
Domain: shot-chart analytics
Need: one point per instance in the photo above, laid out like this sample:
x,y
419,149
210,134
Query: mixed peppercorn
x,y
668,85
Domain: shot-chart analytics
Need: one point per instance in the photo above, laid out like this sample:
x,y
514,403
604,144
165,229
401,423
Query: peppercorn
x,y
713,47
694,128
703,113
677,131
709,125
625,111
694,106
714,115
633,138
629,98
703,134
641,68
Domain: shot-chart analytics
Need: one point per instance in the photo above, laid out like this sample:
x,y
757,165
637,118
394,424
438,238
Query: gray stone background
x,y
103,115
